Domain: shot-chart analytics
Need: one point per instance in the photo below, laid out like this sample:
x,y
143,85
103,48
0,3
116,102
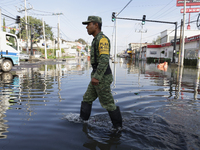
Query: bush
x,y
157,60
190,62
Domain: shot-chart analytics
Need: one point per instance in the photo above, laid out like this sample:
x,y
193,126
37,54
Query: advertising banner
x,y
191,10
188,2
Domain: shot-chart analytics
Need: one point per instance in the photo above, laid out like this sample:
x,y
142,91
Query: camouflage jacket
x,y
101,44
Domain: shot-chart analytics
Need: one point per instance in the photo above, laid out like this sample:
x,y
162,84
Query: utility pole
x,y
180,43
27,51
0,28
183,39
141,31
115,40
58,26
45,48
25,10
198,59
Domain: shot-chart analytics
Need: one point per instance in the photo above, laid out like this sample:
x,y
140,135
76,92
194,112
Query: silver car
x,y
23,56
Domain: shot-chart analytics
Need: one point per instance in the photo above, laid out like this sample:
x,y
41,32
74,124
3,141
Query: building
x,y
70,48
166,48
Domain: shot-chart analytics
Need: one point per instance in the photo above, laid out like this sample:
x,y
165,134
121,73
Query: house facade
x,y
166,48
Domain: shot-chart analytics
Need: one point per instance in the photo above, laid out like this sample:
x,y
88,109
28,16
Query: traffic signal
x,y
113,17
17,19
143,19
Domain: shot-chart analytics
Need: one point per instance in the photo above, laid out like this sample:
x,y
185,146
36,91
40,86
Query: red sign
x,y
190,10
188,2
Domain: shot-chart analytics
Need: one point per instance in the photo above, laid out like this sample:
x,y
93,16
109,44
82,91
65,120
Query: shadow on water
x,y
40,104
141,132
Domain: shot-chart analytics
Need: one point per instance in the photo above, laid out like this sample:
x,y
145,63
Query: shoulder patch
x,y
103,46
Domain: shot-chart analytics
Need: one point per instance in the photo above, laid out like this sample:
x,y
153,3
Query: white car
x,y
24,56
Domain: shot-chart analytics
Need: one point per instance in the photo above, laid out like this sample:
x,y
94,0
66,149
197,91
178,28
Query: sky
x,y
76,11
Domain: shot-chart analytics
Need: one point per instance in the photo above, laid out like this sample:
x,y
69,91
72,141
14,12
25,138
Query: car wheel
x,y
7,77
7,65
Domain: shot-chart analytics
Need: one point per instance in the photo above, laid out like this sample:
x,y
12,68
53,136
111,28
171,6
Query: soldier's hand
x,y
95,81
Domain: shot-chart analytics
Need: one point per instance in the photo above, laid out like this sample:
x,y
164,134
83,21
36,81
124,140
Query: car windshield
x,y
11,41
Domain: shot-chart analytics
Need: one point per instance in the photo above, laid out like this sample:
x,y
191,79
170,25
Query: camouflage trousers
x,y
102,91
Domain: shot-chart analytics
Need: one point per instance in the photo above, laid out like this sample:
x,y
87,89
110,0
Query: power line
x,y
40,14
42,11
8,16
165,13
124,7
161,9
7,11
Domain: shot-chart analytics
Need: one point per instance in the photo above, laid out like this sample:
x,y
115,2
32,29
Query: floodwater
x,y
40,104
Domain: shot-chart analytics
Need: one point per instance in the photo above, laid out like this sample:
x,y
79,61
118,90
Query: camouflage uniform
x,y
100,54
101,44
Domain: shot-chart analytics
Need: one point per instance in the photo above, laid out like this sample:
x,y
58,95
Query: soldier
x,y
101,76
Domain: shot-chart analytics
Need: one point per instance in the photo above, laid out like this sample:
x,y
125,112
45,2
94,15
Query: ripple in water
x,y
139,132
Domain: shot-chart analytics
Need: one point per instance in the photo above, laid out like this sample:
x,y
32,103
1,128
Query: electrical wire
x,y
42,11
74,26
8,16
34,14
161,9
124,7
7,11
65,34
166,12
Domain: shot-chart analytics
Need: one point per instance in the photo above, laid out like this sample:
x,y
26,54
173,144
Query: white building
x,y
166,50
68,46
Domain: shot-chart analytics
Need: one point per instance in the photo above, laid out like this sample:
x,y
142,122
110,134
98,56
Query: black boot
x,y
85,110
116,118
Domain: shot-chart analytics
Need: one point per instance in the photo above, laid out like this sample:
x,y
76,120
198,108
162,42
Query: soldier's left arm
x,y
104,55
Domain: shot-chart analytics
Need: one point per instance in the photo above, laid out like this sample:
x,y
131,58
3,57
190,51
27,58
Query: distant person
x,y
101,76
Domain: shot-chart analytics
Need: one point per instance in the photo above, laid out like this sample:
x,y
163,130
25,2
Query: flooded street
x,y
40,104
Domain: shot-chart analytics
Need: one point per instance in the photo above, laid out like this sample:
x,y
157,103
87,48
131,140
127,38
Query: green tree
x,y
4,25
37,27
157,41
86,48
13,30
82,41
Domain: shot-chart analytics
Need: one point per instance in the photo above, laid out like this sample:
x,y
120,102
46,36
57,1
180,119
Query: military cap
x,y
92,19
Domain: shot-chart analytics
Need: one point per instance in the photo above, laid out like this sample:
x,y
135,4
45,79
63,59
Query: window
x,y
11,41
153,52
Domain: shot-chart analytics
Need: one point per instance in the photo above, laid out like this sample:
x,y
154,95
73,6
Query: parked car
x,y
23,56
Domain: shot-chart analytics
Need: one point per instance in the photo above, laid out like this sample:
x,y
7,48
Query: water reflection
x,y
101,141
8,93
153,103
29,87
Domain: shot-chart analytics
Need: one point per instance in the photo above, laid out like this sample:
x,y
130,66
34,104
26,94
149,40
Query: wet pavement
x,y
40,104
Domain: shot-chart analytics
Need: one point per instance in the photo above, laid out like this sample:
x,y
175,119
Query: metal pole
x,y
0,20
196,85
31,41
27,50
45,49
59,33
174,51
112,49
140,57
0,29
115,40
198,59
58,38
183,40
180,43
